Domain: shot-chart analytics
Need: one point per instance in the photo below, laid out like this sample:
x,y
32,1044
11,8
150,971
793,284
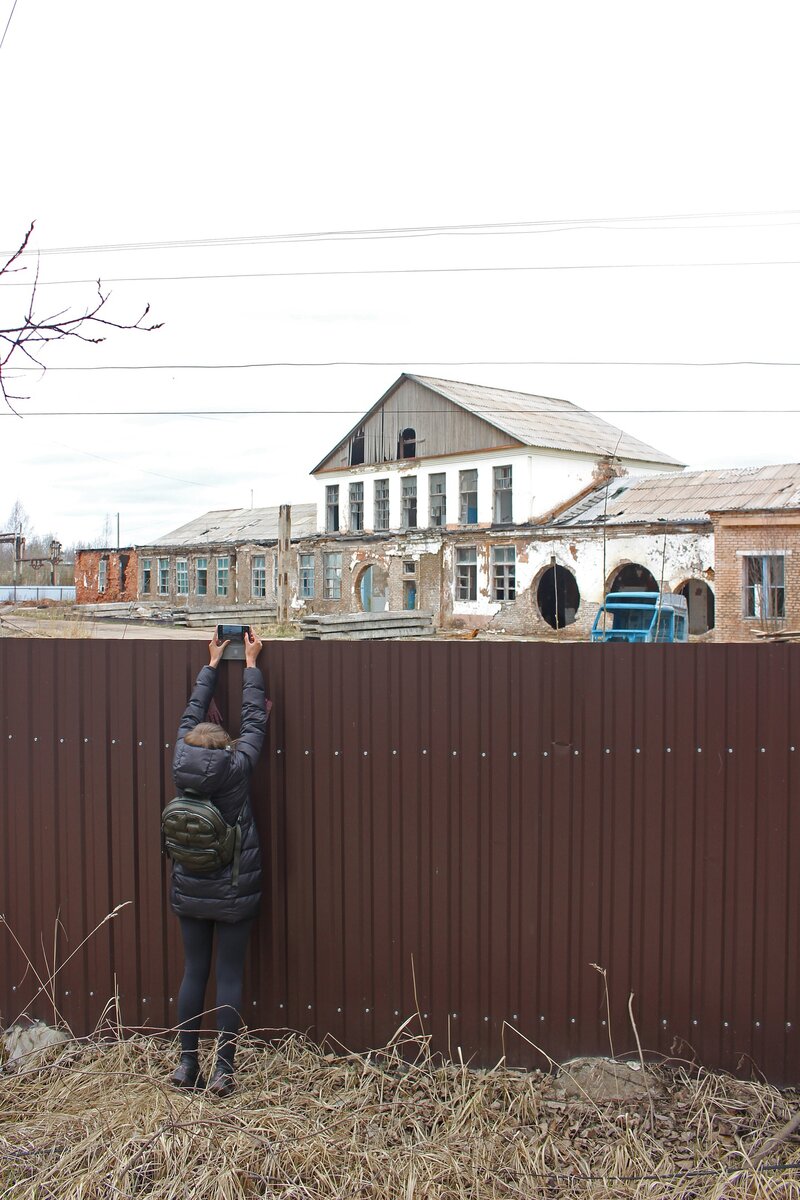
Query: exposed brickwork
x,y
121,582
762,533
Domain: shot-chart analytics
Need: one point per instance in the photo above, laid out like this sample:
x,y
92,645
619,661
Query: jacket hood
x,y
200,768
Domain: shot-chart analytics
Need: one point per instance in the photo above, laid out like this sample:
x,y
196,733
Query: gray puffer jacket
x,y
224,776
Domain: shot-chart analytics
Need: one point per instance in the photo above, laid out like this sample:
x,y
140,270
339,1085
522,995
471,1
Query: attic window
x,y
357,448
407,443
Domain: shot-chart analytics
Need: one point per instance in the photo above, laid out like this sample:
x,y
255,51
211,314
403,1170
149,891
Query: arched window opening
x,y
700,602
558,596
633,577
372,588
407,443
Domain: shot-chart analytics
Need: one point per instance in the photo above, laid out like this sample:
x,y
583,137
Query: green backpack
x,y
195,834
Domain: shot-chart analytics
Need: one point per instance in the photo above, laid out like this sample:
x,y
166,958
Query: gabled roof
x,y
537,421
239,525
545,422
688,496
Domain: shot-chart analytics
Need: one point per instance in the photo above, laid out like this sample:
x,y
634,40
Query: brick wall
x,y
121,569
736,534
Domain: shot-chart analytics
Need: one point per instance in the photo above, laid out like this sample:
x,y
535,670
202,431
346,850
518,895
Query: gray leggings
x,y
198,941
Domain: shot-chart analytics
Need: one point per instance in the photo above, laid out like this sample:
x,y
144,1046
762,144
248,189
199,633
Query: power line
x,y
577,414
781,262
412,231
475,362
8,22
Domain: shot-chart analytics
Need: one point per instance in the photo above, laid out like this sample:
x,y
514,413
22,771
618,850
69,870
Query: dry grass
x,y
95,1119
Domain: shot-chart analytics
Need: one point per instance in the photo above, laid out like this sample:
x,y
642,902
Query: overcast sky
x,y
171,122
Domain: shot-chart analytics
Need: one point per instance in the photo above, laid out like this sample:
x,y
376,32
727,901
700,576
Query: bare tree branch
x,y
88,326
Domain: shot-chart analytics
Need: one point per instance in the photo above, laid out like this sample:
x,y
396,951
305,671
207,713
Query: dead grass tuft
x,y
96,1119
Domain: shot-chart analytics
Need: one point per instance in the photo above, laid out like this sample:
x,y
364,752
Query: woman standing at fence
x,y
223,903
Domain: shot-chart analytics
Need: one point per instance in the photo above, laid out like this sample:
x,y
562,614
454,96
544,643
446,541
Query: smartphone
x,y
232,633
235,636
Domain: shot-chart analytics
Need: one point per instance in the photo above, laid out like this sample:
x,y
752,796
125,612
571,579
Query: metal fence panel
x,y
451,831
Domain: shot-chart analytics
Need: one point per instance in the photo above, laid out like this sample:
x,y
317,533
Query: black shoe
x,y
187,1075
221,1083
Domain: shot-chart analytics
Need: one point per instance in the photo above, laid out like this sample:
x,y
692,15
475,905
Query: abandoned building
x,y
497,510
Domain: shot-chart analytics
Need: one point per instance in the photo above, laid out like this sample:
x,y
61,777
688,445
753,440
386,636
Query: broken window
x,y
102,575
467,573
409,584
438,499
407,443
408,493
381,504
502,495
223,574
146,576
557,596
504,572
163,577
332,508
201,567
357,448
259,570
332,567
181,577
306,572
764,590
357,506
468,497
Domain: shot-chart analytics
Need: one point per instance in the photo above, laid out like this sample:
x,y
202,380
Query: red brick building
x,y
106,575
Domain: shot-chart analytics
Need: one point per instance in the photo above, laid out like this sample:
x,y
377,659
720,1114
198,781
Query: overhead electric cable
x,y
412,231
404,363
8,22
577,413
778,262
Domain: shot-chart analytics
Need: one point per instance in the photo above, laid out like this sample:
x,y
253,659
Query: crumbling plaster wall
x,y
685,553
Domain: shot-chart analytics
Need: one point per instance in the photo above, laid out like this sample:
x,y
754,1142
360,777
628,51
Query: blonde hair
x,y
209,735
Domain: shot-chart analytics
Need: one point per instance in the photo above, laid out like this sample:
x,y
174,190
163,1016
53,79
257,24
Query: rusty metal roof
x,y
546,422
688,495
239,525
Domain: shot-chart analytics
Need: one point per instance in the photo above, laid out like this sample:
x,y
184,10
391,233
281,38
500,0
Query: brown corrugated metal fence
x,y
454,830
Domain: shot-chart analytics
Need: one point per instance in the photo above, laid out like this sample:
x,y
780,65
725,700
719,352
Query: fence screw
x,y
513,754
394,752
694,1020
607,750
86,740
699,749
309,1008
10,736
397,1012
664,1022
541,1018
338,1009
36,739
113,741
544,753
366,752
788,1024
638,751
483,753
455,1016
255,1002
486,1018
66,993
724,1024
306,751
61,740
576,752
730,750
336,753
166,745
572,1020
758,1024
279,752
669,749
791,747
366,1010
763,750
455,753
424,751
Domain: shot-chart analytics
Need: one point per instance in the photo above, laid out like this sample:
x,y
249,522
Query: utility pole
x,y
284,544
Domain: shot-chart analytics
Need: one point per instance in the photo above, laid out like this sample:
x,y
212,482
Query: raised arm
x,y
196,709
